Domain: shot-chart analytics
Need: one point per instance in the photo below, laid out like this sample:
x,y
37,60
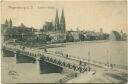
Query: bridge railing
x,y
92,62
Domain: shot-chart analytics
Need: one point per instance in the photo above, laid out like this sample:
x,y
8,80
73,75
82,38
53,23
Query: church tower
x,y
10,24
62,22
6,23
56,21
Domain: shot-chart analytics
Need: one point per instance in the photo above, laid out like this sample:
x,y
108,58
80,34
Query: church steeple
x,y
10,23
56,20
6,23
62,21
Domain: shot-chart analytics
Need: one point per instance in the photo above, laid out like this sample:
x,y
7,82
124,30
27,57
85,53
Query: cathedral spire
x,y
56,20
6,23
10,23
62,21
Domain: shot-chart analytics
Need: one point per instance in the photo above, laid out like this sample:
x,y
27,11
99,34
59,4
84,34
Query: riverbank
x,y
55,45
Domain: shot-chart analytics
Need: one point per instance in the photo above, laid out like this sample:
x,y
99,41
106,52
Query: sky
x,y
85,15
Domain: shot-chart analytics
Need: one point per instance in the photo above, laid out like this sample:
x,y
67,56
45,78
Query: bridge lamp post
x,y
108,61
107,58
89,58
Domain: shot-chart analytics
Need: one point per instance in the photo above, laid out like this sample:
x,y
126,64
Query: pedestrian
x,y
45,50
67,56
80,62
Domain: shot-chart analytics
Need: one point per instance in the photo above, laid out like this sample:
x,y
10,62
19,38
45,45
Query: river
x,y
113,51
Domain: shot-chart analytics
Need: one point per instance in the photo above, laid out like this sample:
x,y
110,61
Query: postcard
x,y
64,42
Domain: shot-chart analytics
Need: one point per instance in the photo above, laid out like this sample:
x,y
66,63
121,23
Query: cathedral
x,y
58,25
8,24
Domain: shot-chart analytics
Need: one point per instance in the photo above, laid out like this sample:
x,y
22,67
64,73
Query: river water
x,y
114,51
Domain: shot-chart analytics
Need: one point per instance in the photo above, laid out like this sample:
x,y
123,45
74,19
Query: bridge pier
x,y
44,67
23,59
6,53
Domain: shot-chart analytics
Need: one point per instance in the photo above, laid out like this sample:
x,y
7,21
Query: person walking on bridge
x,y
45,50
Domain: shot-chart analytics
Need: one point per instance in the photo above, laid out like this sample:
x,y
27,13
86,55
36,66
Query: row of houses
x,y
30,35
87,35
71,36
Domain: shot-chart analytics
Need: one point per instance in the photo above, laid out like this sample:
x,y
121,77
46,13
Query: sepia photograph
x,y
64,42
